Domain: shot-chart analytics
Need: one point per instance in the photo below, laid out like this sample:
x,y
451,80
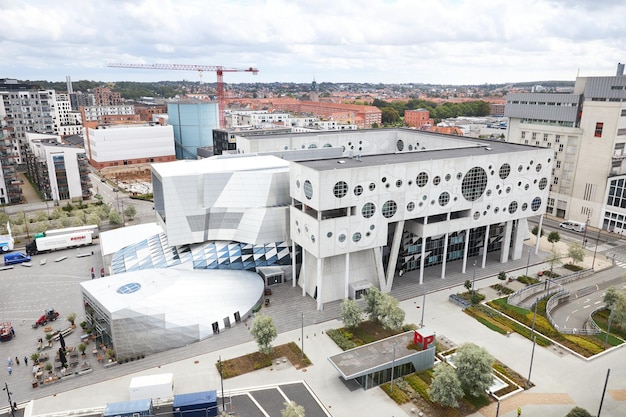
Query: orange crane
x,y
200,68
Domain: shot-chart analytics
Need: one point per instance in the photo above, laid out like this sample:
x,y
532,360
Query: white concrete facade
x,y
130,142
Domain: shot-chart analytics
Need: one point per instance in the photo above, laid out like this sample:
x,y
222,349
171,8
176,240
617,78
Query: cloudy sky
x,y
388,41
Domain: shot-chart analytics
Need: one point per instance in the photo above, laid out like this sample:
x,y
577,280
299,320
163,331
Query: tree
x,y
130,211
554,259
474,368
610,297
71,318
392,316
445,387
264,332
535,230
502,276
554,237
115,217
351,314
468,284
292,409
619,310
578,412
576,252
373,301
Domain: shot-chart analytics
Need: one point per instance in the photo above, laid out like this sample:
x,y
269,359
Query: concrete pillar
x,y
504,252
422,259
293,263
486,244
346,290
445,255
393,254
465,250
320,305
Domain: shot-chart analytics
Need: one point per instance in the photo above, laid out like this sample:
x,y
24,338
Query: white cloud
x,y
430,41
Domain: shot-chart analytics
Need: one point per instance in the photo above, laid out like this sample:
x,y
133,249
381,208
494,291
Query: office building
x,y
193,124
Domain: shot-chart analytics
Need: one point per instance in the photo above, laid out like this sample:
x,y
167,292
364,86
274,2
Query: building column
x,y
303,271
517,237
422,259
320,305
539,234
293,263
504,252
486,244
445,253
380,270
346,290
393,254
465,250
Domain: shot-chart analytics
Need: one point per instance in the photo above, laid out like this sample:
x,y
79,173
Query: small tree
x,y
576,252
445,387
82,347
115,217
474,368
392,316
610,297
535,230
71,318
619,310
468,284
264,332
130,212
351,314
553,238
554,259
502,276
578,412
292,409
374,300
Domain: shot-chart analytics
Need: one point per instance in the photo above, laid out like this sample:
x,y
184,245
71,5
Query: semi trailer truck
x,y
43,243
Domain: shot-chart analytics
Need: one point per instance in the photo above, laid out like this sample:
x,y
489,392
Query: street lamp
x,y
219,361
302,335
393,365
474,277
532,356
6,388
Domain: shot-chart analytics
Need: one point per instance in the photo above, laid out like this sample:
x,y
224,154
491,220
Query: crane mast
x,y
219,70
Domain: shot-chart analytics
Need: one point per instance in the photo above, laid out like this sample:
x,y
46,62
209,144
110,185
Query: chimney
x,y
620,69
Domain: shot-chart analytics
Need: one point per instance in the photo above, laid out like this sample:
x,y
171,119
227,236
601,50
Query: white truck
x,y
44,243
6,241
157,387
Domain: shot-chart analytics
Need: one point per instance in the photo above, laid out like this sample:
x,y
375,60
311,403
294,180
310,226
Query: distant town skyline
x,y
453,42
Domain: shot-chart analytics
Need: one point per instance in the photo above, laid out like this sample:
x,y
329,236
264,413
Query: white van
x,y
572,225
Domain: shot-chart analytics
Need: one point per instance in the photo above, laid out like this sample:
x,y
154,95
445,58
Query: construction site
x,y
135,179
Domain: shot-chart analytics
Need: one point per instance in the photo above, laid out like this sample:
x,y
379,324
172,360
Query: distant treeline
x,y
128,89
393,112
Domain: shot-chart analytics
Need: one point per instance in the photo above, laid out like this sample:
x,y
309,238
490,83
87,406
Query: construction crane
x,y
200,68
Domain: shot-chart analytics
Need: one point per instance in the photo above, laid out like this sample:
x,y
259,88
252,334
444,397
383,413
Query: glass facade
x,y
193,126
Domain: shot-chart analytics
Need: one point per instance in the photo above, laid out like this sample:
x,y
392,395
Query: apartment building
x,y
103,96
586,130
100,114
10,191
418,118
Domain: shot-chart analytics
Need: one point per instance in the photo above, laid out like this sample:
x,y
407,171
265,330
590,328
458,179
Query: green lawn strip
x,y
257,360
366,332
585,346
398,395
601,317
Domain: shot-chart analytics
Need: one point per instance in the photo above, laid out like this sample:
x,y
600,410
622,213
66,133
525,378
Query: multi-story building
x,y
99,113
418,118
79,99
586,130
10,191
103,96
193,123
121,144
61,172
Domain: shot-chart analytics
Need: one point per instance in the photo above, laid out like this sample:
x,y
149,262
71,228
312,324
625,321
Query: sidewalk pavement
x,y
561,379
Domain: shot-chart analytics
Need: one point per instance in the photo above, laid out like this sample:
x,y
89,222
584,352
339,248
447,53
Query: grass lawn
x,y
257,360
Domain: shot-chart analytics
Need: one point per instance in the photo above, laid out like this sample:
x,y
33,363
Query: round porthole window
x,y
513,207
399,183
308,189
358,190
538,167
504,171
368,210
474,184
534,206
297,183
400,145
448,177
372,186
129,288
422,179
410,206
341,189
543,183
389,209
444,198
341,238
524,206
437,180
329,234
476,215
356,237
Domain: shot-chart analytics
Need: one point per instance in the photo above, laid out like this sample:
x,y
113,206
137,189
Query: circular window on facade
x,y
448,177
534,206
504,172
422,179
526,187
437,180
410,147
312,146
444,198
400,145
520,168
327,145
129,288
538,167
424,197
358,190
384,179
356,237
496,210
329,234
513,207
399,183
313,238
474,184
524,206
372,186
298,184
459,175
476,215
341,189
372,227
488,193
308,189
389,209
543,183
368,210
341,238
508,189
410,206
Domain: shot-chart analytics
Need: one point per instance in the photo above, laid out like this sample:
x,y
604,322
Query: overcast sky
x,y
387,41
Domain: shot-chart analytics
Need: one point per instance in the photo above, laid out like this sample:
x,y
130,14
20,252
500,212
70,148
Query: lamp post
x,y
393,365
219,360
606,381
423,308
596,249
474,277
532,356
6,388
302,335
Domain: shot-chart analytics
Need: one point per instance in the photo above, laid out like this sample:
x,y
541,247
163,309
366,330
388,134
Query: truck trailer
x,y
44,243
6,241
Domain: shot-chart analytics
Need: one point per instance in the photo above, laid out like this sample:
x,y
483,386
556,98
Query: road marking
x,y
566,319
574,311
586,306
597,302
